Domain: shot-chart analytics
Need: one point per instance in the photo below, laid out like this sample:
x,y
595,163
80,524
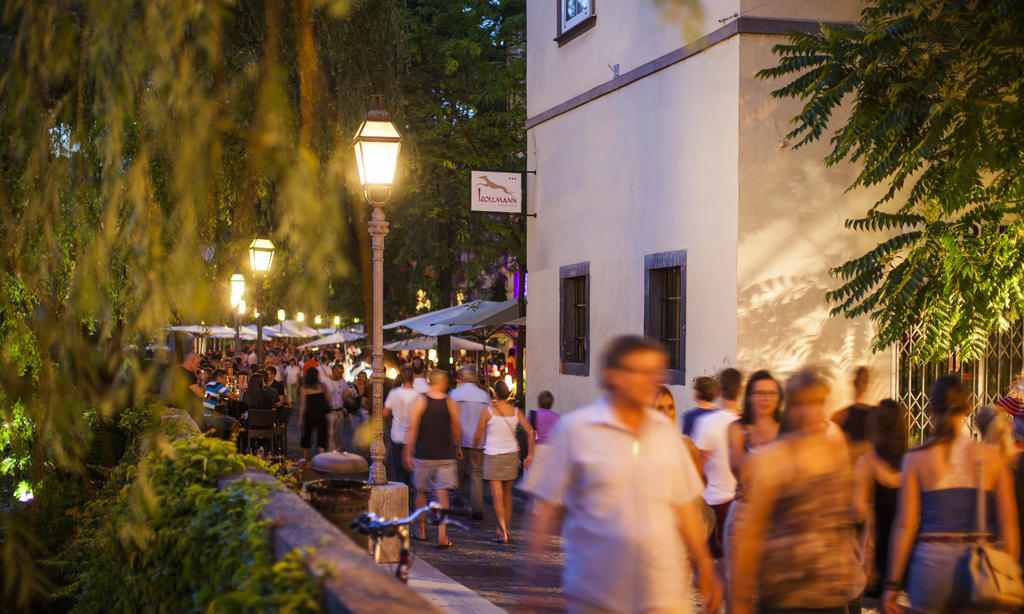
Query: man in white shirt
x,y
711,436
472,400
337,392
419,373
628,491
397,406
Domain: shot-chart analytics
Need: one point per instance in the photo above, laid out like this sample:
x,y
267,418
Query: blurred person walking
x,y
876,488
628,493
1006,434
337,391
705,391
854,419
496,430
397,406
432,448
313,410
291,381
543,421
796,548
473,401
711,436
758,426
937,522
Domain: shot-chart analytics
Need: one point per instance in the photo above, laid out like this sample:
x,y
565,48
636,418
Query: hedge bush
x,y
163,538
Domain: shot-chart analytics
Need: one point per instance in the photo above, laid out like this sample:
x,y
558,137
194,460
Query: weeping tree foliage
x,y
933,91
144,145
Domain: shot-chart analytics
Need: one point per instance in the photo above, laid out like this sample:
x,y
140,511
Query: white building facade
x,y
668,202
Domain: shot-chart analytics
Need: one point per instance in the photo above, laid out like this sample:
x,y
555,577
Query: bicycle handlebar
x,y
373,525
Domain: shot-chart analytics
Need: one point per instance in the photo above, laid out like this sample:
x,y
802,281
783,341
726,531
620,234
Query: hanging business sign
x,y
496,192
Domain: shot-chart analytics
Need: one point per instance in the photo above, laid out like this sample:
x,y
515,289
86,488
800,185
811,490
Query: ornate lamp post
x,y
237,292
261,255
377,143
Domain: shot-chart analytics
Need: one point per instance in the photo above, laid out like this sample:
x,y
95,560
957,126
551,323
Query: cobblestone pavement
x,y
494,570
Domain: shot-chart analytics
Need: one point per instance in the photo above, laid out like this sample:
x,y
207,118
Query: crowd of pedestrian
x,y
774,504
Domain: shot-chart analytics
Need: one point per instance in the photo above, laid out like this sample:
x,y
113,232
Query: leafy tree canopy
x,y
935,117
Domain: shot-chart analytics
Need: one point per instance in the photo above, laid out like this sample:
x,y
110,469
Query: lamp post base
x,y
389,500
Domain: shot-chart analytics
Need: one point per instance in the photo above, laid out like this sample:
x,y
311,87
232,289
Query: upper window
x,y
574,329
665,308
574,18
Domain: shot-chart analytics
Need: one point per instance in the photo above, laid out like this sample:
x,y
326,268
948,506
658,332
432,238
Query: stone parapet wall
x,y
356,585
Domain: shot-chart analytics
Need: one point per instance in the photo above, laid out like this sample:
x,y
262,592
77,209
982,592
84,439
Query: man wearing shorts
x,y
432,447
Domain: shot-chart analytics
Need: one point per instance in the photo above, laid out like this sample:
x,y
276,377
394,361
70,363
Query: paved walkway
x,y
494,571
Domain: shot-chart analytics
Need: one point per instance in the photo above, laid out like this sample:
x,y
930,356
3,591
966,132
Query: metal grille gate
x,y
988,379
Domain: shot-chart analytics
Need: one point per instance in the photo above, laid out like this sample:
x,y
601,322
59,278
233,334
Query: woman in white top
x,y
497,429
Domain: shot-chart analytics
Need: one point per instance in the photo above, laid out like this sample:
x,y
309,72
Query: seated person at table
x,y
223,426
276,384
258,396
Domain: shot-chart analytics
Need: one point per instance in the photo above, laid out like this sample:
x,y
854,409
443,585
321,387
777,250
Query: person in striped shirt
x,y
217,389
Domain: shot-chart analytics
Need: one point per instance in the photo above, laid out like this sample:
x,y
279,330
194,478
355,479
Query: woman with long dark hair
x,y
757,426
876,486
313,408
937,519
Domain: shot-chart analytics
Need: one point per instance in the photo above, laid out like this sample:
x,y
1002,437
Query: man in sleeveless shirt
x,y
433,447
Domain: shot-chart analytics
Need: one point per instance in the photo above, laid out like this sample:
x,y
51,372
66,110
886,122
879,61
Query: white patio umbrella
x,y
435,323
422,344
342,336
487,313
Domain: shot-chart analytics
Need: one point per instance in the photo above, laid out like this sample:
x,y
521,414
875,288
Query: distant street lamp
x,y
280,320
318,320
261,255
237,292
300,317
337,322
377,143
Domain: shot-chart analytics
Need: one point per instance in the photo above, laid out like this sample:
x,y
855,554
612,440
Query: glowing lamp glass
x,y
261,255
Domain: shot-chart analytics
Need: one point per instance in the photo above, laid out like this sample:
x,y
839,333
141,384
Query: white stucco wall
x,y
628,33
792,211
648,168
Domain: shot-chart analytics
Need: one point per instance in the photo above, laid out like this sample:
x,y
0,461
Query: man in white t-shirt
x,y
711,436
627,492
472,400
419,374
337,393
397,406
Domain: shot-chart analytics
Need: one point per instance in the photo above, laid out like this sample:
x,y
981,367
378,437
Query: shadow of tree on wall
x,y
784,323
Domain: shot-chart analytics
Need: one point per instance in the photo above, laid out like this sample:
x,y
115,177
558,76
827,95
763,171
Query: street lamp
x,y
300,317
280,320
318,320
337,323
237,292
377,143
261,254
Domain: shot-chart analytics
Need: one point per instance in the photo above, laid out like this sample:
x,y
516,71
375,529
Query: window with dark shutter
x,y
665,308
574,330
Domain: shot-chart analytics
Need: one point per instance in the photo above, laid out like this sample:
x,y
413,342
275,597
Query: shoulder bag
x,y
994,576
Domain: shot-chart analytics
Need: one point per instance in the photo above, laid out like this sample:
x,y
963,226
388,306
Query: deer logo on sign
x,y
486,182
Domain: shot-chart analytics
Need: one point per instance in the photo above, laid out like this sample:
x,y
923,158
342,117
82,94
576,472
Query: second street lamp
x,y
237,292
261,254
377,143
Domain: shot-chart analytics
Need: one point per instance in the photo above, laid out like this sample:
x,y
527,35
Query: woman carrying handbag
x,y
957,521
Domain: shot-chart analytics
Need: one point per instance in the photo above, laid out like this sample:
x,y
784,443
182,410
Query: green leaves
x,y
934,117
197,549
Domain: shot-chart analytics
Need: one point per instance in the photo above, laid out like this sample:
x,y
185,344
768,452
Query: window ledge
x,y
576,368
576,30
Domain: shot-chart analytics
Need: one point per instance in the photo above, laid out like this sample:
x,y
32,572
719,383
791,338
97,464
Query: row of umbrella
x,y
471,316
